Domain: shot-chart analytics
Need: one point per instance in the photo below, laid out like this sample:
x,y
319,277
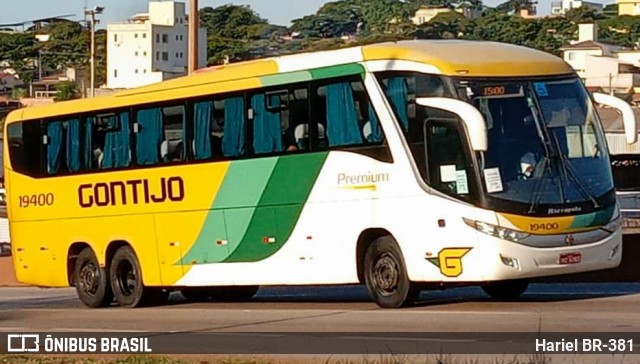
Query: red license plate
x,y
570,258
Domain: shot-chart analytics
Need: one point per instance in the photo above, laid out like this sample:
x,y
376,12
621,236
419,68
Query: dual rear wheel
x,y
385,276
98,287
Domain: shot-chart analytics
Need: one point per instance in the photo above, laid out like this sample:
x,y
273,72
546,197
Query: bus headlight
x,y
613,225
497,231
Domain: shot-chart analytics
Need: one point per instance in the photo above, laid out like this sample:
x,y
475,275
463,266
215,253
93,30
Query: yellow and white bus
x,y
404,166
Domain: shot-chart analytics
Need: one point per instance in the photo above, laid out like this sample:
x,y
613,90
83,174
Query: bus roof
x,y
448,57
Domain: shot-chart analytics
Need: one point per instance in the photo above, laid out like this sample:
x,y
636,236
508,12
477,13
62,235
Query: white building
x,y
561,7
611,74
587,46
151,47
628,7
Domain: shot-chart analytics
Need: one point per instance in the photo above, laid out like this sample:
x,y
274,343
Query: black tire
x,y
386,275
220,294
91,281
506,290
125,274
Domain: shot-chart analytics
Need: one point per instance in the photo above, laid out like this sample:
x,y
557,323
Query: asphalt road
x,y
544,307
276,317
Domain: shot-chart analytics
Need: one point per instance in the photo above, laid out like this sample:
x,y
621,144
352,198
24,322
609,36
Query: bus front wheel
x,y
386,275
125,274
91,281
506,290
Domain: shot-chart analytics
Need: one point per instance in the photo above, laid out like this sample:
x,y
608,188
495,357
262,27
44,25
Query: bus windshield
x,y
546,146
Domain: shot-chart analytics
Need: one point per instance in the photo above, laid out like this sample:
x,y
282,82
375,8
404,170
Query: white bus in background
x,y
625,164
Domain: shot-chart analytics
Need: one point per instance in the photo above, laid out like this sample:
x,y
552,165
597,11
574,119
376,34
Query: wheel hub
x,y
89,279
127,279
386,274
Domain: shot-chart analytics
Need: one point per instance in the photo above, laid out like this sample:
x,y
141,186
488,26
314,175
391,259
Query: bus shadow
x,y
556,292
328,297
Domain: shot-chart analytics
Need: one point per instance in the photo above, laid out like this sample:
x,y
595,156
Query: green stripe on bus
x,y
280,206
285,78
256,209
337,71
599,218
231,212
244,183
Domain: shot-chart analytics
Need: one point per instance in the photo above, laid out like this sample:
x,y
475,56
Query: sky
x,y
276,11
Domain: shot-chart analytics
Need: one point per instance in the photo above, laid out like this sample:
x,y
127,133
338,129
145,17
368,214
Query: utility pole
x,y
610,84
93,13
194,26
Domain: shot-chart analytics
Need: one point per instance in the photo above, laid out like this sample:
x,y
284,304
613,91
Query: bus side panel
x,y
135,230
176,231
36,259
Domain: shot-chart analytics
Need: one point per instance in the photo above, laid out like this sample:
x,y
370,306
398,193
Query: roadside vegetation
x,y
294,359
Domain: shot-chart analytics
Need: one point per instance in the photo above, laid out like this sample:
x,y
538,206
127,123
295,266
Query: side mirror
x,y
470,116
628,116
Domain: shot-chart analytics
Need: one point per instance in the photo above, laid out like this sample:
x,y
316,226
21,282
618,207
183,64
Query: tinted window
x,y
25,140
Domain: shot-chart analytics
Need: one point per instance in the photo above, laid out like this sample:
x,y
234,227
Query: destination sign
x,y
497,90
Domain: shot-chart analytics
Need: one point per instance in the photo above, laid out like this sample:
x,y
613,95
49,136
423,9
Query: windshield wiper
x,y
573,176
543,134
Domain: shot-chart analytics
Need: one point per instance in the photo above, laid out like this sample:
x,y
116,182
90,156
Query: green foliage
x,y
17,93
229,28
445,26
332,20
238,33
516,5
623,30
386,16
18,51
66,90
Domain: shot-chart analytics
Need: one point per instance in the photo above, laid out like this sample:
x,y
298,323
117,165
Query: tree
x,y
516,5
554,33
66,90
386,16
229,27
621,30
18,51
445,26
333,19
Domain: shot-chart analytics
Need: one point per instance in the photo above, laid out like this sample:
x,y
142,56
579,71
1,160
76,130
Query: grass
x,y
149,359
293,359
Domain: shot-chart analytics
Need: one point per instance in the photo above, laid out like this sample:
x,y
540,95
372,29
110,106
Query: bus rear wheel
x,y
125,274
386,275
91,281
506,290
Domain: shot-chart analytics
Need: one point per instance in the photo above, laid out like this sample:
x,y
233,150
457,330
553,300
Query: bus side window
x,y
347,119
78,144
109,140
448,161
55,151
268,129
219,128
297,135
25,141
233,128
149,136
173,127
341,120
